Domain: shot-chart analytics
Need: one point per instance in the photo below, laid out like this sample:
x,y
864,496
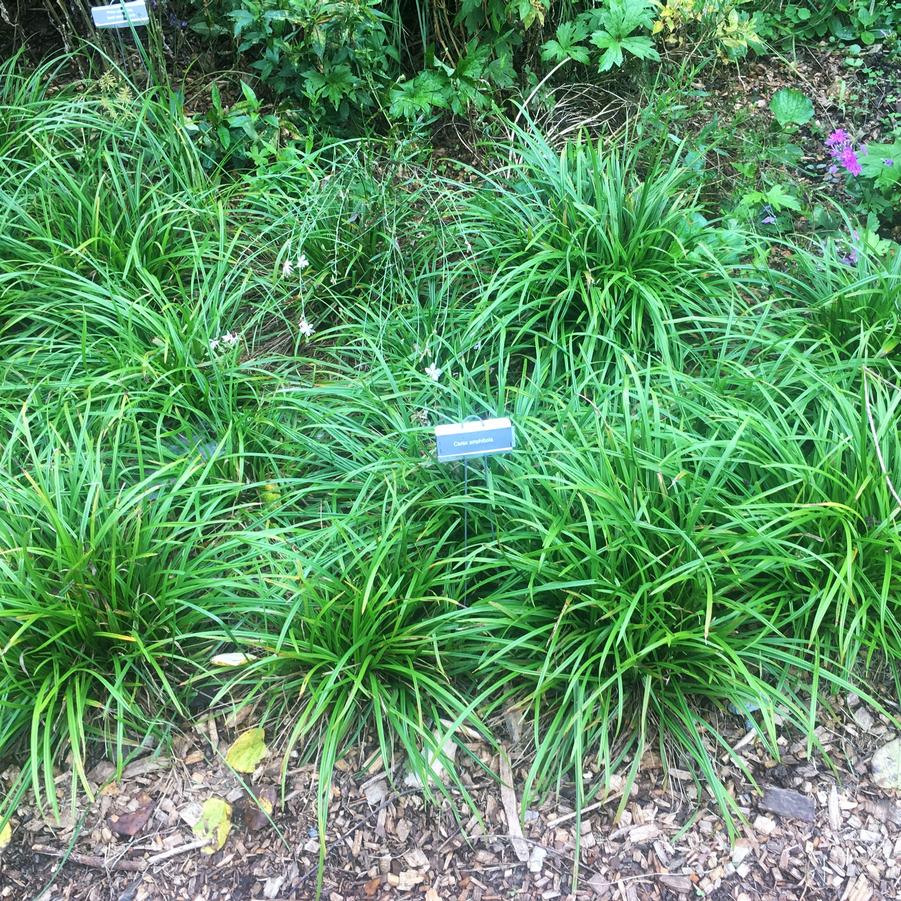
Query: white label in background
x,y
120,15
457,441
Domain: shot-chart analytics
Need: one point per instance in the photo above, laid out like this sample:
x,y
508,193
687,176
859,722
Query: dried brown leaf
x,y
511,810
132,822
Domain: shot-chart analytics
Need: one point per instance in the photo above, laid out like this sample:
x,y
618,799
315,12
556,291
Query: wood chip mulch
x,y
811,833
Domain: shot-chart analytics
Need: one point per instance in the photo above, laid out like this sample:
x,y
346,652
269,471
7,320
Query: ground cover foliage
x,y
217,395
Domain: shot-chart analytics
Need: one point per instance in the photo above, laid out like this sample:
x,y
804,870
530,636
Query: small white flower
x,y
230,339
305,328
290,265
214,344
433,372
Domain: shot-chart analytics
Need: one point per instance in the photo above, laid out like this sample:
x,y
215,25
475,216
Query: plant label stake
x,y
481,438
473,438
120,15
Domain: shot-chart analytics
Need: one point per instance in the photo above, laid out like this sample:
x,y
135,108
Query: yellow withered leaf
x,y
247,750
6,835
214,824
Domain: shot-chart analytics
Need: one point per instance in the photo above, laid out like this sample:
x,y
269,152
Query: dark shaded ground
x,y
728,114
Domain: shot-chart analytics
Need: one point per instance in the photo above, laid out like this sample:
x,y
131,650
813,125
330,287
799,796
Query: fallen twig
x,y
571,816
132,866
91,860
178,849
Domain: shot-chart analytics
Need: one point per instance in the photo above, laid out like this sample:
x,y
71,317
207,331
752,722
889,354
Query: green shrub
x,y
361,57
720,24
335,54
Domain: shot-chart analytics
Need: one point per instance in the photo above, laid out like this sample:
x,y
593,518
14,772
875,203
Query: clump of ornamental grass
x,y
605,245
850,290
115,570
125,257
660,551
841,405
351,223
27,106
372,638
366,646
629,588
217,399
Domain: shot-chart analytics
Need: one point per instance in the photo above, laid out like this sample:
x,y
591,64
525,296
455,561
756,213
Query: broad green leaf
x,y
622,17
612,55
242,18
790,106
614,44
530,12
566,44
249,95
247,750
841,29
882,162
641,47
420,95
779,199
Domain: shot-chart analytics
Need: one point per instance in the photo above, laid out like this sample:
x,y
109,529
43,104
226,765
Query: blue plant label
x,y
120,15
457,441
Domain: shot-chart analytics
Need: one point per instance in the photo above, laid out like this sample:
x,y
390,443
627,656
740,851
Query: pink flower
x,y
841,149
849,160
838,140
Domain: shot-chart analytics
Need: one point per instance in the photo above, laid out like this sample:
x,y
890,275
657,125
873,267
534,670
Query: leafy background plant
x,y
843,20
